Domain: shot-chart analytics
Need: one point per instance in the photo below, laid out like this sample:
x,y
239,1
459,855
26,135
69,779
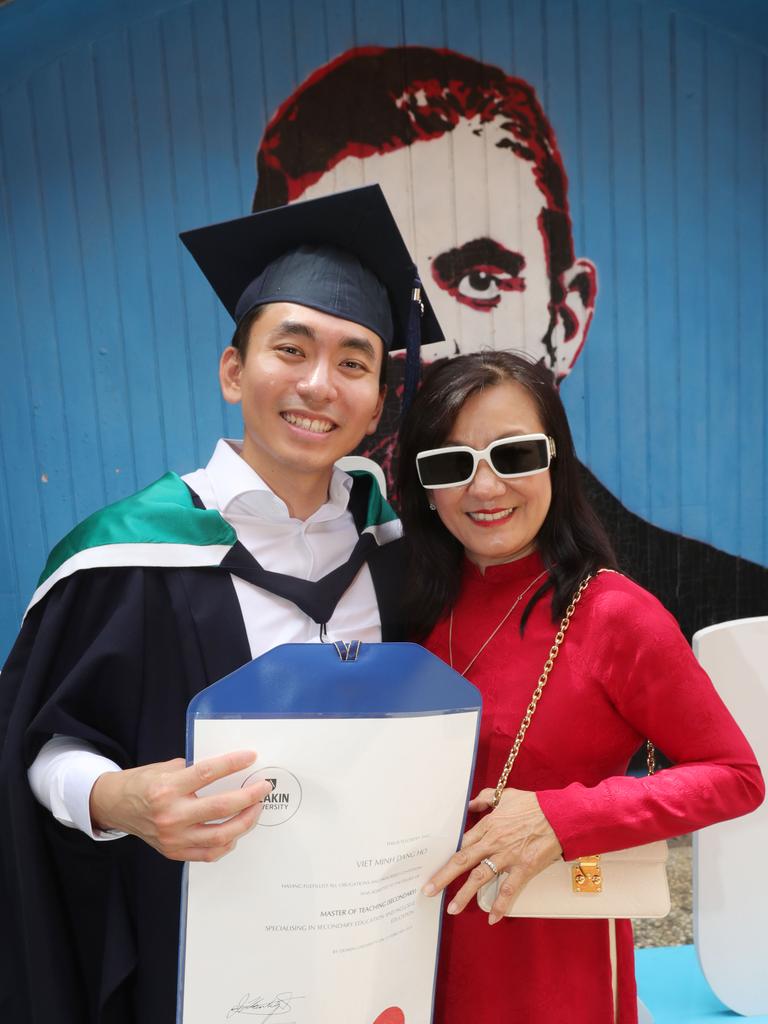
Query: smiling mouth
x,y
496,516
314,426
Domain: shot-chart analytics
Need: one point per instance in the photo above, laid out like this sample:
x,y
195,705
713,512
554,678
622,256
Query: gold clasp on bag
x,y
586,875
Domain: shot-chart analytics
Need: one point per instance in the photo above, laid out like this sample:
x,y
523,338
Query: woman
x,y
500,540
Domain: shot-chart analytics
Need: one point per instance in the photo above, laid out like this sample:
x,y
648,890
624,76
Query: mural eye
x,y
483,287
478,272
479,284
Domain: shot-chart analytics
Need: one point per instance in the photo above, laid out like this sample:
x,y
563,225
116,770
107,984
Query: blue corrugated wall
x,y
110,337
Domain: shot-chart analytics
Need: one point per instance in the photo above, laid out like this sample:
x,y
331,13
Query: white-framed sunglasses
x,y
508,457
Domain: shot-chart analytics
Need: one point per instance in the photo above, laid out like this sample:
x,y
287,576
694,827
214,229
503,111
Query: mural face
x,y
471,169
476,234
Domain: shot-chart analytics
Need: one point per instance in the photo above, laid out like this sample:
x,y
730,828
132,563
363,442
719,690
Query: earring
x,y
432,508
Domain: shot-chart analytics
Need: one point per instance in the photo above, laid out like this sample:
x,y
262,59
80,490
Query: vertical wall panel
x,y
424,23
462,27
215,92
628,201
528,43
563,110
312,49
150,73
598,362
277,53
340,26
378,23
721,279
192,208
660,214
94,213
249,119
209,336
133,309
561,105
495,27
250,112
38,371
68,299
691,153
24,540
9,580
750,322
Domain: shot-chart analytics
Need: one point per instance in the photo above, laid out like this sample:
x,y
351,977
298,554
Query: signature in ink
x,y
264,1007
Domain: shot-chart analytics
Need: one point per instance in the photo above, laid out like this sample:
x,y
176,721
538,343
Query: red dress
x,y
625,672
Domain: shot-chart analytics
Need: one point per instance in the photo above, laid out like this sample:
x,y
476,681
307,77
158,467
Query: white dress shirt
x,y
63,773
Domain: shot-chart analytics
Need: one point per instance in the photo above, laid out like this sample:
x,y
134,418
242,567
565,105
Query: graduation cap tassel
x,y
413,345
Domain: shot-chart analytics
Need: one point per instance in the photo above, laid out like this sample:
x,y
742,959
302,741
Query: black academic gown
x,y
111,656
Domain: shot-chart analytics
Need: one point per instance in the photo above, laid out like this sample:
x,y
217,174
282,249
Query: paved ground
x,y
677,928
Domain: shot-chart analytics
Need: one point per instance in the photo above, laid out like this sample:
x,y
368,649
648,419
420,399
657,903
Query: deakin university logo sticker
x,y
285,799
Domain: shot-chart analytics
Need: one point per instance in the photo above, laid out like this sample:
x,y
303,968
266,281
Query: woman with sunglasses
x,y
501,537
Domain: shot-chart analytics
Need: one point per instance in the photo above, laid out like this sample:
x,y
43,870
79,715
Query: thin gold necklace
x,y
509,611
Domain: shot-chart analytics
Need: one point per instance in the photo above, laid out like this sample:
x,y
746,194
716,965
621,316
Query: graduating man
x,y
152,599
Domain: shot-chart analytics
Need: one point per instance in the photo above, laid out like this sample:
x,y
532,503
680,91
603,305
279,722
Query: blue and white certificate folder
x,y
317,916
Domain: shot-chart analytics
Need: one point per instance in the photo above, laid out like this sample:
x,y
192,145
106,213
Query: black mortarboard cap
x,y
342,254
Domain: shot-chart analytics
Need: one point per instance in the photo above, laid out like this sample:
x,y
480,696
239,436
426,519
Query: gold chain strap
x,y
536,696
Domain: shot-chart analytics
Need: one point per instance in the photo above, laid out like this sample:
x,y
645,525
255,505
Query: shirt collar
x,y
239,490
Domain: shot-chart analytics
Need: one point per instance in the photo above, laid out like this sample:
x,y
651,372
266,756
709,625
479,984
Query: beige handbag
x,y
625,883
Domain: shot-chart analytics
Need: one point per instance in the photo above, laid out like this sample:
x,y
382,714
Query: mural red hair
x,y
374,99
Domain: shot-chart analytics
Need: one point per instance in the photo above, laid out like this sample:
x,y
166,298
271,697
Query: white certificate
x,y
317,916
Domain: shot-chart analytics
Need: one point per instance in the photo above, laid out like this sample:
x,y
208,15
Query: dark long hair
x,y
571,541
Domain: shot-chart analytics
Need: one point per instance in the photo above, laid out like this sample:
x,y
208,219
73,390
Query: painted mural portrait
x,y
470,165
492,238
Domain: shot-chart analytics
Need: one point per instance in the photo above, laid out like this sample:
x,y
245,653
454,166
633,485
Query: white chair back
x,y
730,884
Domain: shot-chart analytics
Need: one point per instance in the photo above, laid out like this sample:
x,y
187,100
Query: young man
x,y
152,599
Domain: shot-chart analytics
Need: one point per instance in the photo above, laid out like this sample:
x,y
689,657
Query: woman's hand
x,y
515,836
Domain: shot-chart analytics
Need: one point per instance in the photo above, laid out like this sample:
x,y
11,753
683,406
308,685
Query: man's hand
x,y
159,804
